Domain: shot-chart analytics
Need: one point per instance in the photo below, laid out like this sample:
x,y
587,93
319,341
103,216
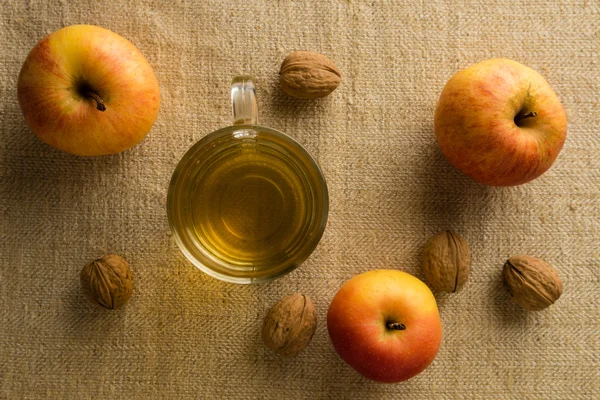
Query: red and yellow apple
x,y
500,123
88,91
385,324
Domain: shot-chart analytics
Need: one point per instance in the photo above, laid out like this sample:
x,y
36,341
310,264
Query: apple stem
x,y
99,102
396,326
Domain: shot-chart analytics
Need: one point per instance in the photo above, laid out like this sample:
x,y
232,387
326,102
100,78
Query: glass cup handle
x,y
243,100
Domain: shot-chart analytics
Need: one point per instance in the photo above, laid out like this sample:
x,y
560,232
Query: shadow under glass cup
x,y
247,203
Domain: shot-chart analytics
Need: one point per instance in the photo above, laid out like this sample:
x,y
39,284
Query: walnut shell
x,y
531,282
290,325
447,261
107,281
308,75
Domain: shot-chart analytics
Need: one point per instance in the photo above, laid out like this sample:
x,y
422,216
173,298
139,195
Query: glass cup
x,y
247,203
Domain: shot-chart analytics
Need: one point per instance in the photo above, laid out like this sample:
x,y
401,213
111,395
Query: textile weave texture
x,y
186,335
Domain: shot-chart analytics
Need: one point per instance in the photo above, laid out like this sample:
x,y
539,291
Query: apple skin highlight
x,y
69,73
500,123
359,320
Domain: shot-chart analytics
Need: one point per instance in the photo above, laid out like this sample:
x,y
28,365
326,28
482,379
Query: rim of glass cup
x,y
172,197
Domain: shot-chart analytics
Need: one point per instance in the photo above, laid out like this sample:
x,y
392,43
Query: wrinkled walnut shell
x,y
107,281
447,261
532,283
290,325
308,75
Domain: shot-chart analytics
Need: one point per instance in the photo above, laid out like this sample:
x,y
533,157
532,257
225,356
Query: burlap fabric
x,y
185,335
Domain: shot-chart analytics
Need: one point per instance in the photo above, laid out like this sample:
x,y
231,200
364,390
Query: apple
x,y
88,91
500,123
385,324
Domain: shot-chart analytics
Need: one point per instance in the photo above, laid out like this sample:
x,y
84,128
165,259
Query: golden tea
x,y
248,203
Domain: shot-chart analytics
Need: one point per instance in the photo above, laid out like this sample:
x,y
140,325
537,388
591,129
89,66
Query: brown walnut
x,y
107,281
290,325
531,282
447,261
308,75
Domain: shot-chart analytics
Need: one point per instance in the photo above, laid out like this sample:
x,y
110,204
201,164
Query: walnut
x,y
289,325
447,261
107,281
531,282
308,75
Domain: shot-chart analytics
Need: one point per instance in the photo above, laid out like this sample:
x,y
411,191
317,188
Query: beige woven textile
x,y
186,335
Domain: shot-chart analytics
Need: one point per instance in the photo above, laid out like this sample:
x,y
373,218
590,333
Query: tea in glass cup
x,y
247,203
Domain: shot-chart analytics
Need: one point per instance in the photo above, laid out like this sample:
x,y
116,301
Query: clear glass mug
x,y
247,203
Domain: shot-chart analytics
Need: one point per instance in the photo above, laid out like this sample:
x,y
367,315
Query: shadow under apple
x,y
449,199
47,191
